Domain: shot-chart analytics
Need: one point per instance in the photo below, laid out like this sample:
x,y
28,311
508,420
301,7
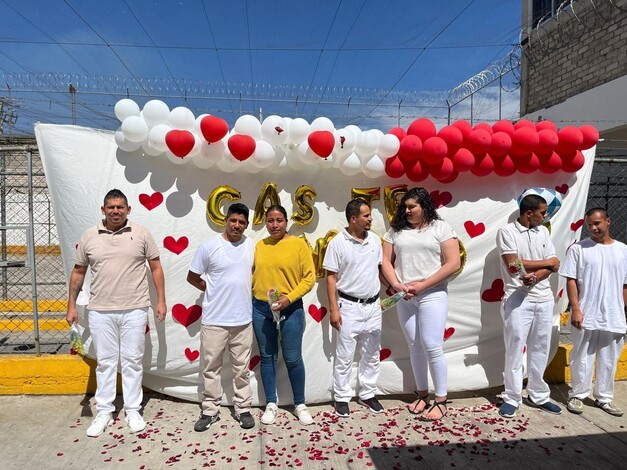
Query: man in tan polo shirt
x,y
116,250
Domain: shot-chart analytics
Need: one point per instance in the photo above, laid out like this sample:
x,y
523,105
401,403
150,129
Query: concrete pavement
x,y
48,432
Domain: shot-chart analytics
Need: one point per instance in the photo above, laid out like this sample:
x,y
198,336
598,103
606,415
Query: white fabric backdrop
x,y
82,164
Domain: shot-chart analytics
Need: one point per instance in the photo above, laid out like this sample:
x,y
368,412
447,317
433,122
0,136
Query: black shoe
x,y
206,421
342,409
246,420
372,404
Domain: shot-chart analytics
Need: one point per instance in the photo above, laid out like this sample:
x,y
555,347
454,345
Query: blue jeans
x,y
292,329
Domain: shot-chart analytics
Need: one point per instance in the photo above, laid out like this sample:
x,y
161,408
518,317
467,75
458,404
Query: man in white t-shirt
x,y
527,260
596,283
352,262
226,263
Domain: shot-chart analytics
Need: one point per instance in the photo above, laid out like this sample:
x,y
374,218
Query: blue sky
x,y
271,50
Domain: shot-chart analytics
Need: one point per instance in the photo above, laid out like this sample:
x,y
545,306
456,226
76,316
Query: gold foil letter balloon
x,y
392,196
321,248
215,200
367,194
306,209
270,194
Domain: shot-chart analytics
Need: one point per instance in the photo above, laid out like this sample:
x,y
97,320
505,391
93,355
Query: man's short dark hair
x,y
600,210
531,202
238,208
353,208
115,194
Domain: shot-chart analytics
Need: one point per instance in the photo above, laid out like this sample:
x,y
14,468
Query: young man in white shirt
x,y
527,260
226,263
596,283
352,261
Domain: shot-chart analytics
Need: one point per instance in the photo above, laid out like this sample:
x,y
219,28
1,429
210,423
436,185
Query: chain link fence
x,y
32,281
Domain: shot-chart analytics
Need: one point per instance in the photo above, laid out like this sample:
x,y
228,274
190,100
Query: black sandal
x,y
423,399
441,405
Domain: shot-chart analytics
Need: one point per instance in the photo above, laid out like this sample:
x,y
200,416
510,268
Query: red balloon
x,y
504,126
416,171
551,164
570,138
442,169
463,160
525,123
485,126
453,176
422,128
546,125
575,164
590,136
394,167
398,132
321,143
241,146
483,166
504,166
547,141
213,128
478,141
500,144
452,136
528,164
434,150
410,148
463,126
524,140
179,142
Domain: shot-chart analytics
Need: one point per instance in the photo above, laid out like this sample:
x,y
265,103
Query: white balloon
x,y
134,129
124,144
156,137
374,167
377,133
176,160
279,167
181,118
264,155
202,162
249,166
366,145
149,149
197,146
228,163
306,155
298,131
274,130
125,108
214,151
351,166
344,142
293,159
388,146
322,124
155,112
326,162
248,125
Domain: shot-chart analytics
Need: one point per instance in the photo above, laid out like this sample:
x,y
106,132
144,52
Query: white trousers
x,y
361,325
531,324
119,337
423,319
588,344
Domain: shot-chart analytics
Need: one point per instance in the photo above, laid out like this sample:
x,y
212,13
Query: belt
x,y
359,301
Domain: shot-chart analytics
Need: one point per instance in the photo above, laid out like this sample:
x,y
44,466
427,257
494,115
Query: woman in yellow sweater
x,y
282,262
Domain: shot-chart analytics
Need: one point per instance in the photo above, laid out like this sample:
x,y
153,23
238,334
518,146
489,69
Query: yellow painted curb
x,y
558,371
54,305
56,324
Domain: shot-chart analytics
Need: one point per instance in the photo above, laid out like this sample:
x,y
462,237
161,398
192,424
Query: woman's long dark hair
x,y
422,197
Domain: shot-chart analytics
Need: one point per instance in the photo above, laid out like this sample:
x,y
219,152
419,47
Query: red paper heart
x,y
191,355
317,313
441,199
175,246
147,329
524,348
186,316
254,361
562,188
150,202
474,230
576,225
448,332
494,293
384,354
179,142
560,293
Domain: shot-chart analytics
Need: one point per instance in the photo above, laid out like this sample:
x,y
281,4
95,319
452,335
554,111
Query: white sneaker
x,y
99,424
135,421
269,415
302,413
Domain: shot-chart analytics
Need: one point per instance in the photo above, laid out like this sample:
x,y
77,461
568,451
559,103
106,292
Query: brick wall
x,y
574,53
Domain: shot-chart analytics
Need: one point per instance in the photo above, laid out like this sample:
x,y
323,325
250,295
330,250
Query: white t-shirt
x,y
530,244
601,272
356,264
417,252
227,269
